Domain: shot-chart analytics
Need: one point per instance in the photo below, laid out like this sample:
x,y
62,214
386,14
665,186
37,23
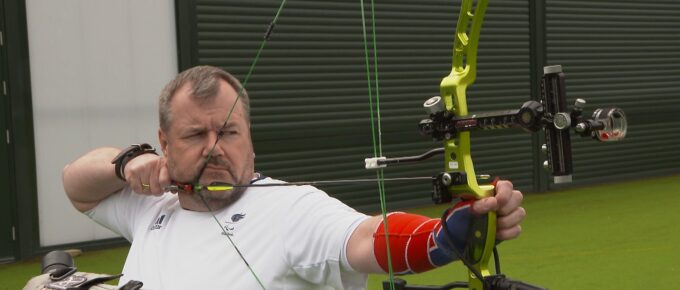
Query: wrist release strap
x,y
128,154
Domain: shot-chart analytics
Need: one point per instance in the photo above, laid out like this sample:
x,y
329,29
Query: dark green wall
x,y
309,88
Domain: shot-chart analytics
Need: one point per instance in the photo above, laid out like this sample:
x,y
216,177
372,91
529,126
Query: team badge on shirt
x,y
230,226
237,217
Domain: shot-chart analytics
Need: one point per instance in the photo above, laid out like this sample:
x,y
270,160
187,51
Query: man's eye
x,y
193,135
227,133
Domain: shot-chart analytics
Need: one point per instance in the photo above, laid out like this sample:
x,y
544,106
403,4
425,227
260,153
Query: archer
x,y
292,237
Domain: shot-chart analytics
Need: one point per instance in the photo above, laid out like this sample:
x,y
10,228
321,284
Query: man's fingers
x,y
508,234
156,188
135,182
144,177
512,219
484,205
133,179
503,191
514,201
506,202
164,179
143,174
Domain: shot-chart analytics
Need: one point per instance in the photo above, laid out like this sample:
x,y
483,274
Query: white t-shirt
x,y
293,237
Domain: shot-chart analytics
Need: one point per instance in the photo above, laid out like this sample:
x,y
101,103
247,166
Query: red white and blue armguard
x,y
418,243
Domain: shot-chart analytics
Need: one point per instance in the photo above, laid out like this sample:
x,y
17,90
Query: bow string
x,y
220,132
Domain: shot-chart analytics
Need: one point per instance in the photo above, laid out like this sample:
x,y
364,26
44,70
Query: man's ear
x,y
163,139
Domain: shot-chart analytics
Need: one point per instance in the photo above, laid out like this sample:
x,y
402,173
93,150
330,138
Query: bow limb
x,y
457,148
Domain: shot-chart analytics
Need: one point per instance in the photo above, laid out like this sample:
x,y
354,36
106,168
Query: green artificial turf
x,y
615,236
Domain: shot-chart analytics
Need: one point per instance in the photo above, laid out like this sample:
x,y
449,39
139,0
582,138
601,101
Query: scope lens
x,y
615,124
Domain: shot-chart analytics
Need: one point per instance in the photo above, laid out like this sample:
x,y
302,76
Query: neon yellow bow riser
x,y
457,149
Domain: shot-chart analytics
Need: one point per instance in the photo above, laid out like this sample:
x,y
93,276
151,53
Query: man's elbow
x,y
83,206
71,192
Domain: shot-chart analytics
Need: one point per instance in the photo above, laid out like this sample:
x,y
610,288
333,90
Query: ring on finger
x,y
145,187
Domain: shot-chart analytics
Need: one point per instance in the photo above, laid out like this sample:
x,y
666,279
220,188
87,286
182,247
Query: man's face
x,y
192,132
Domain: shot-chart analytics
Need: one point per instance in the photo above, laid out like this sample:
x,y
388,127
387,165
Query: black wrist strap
x,y
128,154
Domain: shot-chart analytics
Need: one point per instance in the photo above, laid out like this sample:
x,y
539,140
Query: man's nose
x,y
212,146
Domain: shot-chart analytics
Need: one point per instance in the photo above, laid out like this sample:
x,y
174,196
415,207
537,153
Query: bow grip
x,y
557,139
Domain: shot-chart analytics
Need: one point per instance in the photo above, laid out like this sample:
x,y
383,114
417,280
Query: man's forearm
x,y
91,178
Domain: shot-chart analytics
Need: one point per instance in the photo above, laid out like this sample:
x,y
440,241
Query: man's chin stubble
x,y
222,199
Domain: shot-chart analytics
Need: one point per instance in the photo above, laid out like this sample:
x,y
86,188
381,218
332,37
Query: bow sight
x,y
550,114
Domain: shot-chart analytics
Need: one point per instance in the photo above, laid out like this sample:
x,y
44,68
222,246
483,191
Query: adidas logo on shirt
x,y
158,223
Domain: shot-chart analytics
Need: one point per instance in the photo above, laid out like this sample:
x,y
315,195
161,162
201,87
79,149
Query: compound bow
x,y
450,122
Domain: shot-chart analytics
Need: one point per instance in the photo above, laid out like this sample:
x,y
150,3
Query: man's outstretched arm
x,y
364,247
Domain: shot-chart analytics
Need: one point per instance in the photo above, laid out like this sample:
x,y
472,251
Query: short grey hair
x,y
204,82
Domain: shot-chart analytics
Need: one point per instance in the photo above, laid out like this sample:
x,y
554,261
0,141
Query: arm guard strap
x,y
417,243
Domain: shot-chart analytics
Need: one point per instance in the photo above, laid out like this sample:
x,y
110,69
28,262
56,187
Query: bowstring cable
x,y
231,241
376,129
220,132
268,33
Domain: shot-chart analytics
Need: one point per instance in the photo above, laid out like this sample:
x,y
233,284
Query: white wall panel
x,y
97,68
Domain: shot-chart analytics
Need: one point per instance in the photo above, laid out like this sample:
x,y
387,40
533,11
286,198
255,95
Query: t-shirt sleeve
x,y
122,212
318,230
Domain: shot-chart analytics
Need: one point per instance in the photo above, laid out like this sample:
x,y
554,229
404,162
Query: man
x,y
283,237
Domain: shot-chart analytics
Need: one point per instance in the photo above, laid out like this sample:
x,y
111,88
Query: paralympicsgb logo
x,y
237,217
230,226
